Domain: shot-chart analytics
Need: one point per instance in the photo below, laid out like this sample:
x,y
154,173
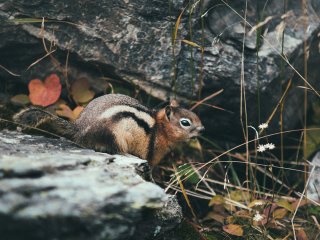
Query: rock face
x,y
313,191
51,189
132,40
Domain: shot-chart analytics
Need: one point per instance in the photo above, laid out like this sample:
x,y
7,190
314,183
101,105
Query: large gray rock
x,y
132,40
313,189
52,189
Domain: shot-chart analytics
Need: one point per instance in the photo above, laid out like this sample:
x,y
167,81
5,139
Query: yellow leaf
x,y
195,144
279,213
233,229
240,196
285,204
76,112
65,111
216,200
230,219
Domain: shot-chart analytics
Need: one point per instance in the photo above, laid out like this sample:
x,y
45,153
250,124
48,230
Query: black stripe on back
x,y
142,123
141,108
103,137
152,143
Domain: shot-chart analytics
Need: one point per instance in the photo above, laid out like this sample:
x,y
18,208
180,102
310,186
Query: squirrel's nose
x,y
201,129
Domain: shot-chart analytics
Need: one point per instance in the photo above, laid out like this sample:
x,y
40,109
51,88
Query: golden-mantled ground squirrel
x,y
116,123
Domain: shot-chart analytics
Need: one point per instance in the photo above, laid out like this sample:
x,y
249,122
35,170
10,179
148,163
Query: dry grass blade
x,y
41,20
176,28
302,196
278,104
8,71
206,99
193,44
185,195
250,141
260,24
27,20
40,59
244,189
316,222
216,107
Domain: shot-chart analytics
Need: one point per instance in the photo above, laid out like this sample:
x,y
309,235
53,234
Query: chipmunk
x,y
116,123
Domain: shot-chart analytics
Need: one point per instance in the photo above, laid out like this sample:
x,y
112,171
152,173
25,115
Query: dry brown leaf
x,y
216,200
77,111
294,205
279,213
233,229
65,111
215,216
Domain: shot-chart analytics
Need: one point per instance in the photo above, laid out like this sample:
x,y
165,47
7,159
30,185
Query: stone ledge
x,y
51,189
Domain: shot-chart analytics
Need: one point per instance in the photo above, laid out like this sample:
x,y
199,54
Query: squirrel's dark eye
x,y
185,122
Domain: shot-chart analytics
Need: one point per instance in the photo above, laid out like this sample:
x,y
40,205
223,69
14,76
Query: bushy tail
x,y
36,118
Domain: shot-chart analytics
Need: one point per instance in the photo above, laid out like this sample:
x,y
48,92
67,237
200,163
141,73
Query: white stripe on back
x,y
110,112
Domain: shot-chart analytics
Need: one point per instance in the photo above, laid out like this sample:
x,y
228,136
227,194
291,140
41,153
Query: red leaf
x,y
45,93
301,235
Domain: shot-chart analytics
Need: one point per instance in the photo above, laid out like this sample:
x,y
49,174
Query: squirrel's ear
x,y
174,103
165,113
168,110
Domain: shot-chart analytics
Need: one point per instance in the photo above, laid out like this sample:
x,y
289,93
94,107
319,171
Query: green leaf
x,y
20,99
187,172
80,91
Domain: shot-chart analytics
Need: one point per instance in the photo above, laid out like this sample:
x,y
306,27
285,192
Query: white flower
x,y
258,203
270,146
257,217
263,126
261,148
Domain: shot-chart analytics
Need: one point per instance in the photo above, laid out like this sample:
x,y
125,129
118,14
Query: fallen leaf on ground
x,y
45,93
20,99
80,91
279,213
216,200
233,229
301,235
65,111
